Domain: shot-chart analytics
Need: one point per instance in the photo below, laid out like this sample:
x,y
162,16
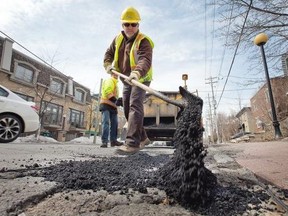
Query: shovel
x,y
152,91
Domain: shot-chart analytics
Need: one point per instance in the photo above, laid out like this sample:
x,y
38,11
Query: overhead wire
x,y
29,51
226,40
234,56
242,89
213,36
205,36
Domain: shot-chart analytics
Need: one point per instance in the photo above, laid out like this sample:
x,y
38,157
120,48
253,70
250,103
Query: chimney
x,y
284,59
6,54
70,86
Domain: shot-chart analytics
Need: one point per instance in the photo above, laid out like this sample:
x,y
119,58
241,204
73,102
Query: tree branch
x,y
265,11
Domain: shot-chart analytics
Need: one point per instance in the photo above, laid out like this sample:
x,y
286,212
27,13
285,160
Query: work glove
x,y
113,99
133,75
119,102
109,69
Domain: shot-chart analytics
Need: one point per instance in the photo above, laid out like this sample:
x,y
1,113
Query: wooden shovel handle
x,y
150,90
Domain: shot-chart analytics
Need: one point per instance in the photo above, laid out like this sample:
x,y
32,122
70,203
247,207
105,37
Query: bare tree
x,y
227,125
92,116
269,16
46,92
44,98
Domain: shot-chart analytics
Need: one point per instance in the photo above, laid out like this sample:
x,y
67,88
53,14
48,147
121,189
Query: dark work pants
x,y
109,126
133,98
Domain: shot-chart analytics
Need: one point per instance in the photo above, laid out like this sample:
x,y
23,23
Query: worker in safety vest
x,y
108,107
130,53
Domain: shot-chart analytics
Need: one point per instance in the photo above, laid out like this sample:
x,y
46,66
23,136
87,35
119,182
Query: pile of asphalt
x,y
184,176
142,171
137,171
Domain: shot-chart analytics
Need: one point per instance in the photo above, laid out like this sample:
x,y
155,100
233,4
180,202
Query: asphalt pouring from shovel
x,y
185,177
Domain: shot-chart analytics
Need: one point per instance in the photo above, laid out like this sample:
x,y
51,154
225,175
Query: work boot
x,y
144,143
116,143
127,150
104,145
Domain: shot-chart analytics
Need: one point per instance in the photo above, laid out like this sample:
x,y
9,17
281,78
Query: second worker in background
x,y
108,108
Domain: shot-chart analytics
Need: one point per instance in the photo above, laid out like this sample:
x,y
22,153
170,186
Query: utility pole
x,y
97,112
211,82
211,120
240,104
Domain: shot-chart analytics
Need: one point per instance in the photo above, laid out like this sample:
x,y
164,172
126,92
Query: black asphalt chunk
x,y
137,171
189,181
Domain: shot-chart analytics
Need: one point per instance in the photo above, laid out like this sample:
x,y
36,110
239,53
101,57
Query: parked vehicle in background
x,y
160,117
16,116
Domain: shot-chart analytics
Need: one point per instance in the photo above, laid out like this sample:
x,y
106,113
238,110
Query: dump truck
x,y
160,117
160,111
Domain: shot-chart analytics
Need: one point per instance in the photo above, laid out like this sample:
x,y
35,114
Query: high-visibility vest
x,y
133,54
109,89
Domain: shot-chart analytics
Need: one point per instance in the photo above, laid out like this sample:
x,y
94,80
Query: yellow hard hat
x,y
130,15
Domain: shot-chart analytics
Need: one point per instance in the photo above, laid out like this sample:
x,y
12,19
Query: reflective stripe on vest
x,y
133,54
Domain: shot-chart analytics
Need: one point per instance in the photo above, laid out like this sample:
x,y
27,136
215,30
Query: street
x,y
23,192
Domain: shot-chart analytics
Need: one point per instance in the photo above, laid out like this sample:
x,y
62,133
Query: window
x,y
53,113
25,97
57,86
79,95
3,92
24,72
260,124
267,96
76,118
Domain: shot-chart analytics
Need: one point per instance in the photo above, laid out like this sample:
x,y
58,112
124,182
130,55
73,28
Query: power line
x,y
212,43
205,36
249,78
242,89
30,51
226,40
234,56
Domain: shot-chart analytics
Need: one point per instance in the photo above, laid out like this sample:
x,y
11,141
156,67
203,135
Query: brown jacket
x,y
144,53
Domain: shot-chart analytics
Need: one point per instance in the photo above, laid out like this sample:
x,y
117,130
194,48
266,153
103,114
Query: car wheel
x,y
10,128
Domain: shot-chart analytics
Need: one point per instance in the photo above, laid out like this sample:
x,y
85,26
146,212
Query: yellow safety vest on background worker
x,y
109,89
133,54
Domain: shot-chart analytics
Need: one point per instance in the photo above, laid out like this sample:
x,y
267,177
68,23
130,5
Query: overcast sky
x,y
73,36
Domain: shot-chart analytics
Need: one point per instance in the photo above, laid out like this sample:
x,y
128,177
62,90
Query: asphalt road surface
x,y
24,192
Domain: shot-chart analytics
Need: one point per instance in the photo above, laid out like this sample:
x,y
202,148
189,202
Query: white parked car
x,y
16,116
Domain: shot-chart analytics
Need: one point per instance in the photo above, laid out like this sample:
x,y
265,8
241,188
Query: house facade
x,y
261,108
63,103
246,120
284,60
257,119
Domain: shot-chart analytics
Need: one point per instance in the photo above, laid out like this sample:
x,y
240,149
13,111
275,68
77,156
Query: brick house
x,y
63,102
258,118
261,108
246,120
284,60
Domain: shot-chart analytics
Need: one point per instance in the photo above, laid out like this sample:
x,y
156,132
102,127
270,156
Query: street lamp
x,y
185,77
260,40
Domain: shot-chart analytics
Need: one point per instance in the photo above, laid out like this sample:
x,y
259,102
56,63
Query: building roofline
x,y
243,110
43,63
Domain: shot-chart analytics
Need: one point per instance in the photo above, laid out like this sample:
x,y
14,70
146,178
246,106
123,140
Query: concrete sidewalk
x,y
267,160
